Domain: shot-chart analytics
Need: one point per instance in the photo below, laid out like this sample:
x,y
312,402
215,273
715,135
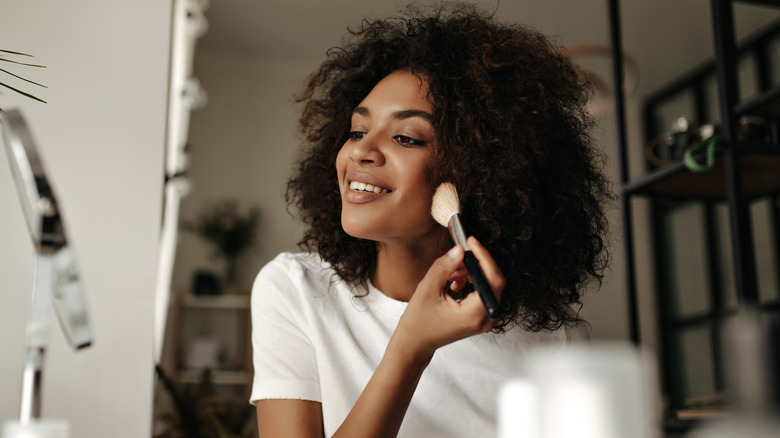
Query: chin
x,y
357,231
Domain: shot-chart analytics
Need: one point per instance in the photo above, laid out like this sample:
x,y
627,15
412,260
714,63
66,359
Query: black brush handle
x,y
482,285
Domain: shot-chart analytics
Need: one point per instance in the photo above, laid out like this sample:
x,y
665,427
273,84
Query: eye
x,y
356,135
408,141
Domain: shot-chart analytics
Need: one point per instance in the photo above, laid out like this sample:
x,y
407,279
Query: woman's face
x,y
385,192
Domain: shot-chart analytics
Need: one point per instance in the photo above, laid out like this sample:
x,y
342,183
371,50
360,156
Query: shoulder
x,y
293,277
297,290
296,267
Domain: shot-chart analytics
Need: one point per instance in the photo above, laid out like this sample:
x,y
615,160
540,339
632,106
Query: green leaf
x,y
15,53
21,63
3,59
22,92
24,79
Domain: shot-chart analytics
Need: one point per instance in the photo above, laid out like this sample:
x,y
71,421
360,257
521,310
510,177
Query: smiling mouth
x,y
358,186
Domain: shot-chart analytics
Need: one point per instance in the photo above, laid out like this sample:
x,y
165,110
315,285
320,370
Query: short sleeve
x,y
285,365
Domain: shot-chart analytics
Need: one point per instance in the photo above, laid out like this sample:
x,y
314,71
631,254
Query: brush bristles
x,y
445,203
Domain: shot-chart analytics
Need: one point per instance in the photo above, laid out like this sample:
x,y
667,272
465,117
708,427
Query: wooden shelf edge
x,y
765,105
219,377
770,3
760,177
227,301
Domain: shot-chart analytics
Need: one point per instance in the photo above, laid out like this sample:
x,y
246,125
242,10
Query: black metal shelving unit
x,y
742,173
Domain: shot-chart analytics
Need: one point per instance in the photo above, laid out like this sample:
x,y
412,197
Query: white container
x,y
36,429
606,390
203,353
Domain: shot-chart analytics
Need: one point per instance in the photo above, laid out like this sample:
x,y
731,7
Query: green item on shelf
x,y
709,155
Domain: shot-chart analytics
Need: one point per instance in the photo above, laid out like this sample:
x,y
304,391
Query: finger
x,y
460,272
472,305
459,275
445,267
489,267
458,284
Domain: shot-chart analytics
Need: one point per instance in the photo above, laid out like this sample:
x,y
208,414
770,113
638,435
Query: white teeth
x,y
363,187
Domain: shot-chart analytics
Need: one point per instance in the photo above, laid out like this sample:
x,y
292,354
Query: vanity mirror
x,y
57,287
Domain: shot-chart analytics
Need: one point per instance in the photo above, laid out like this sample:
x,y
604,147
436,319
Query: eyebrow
x,y
403,114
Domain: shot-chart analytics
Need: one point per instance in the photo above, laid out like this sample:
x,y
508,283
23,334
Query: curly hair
x,y
512,136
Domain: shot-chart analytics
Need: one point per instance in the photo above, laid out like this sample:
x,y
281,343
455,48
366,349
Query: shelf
x,y
223,319
765,105
678,427
760,166
775,3
760,177
227,301
219,377
734,250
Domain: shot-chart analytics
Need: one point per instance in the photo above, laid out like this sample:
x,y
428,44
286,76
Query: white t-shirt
x,y
315,339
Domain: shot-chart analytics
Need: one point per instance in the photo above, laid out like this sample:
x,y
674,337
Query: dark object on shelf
x,y
688,148
670,146
679,428
205,283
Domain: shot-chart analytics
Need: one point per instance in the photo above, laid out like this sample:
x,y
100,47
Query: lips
x,y
362,187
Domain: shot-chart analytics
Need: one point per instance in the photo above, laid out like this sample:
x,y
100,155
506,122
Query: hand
x,y
433,318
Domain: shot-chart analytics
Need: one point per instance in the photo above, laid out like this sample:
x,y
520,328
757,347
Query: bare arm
x,y
289,418
432,319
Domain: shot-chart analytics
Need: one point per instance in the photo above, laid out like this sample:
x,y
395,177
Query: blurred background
x,y
104,132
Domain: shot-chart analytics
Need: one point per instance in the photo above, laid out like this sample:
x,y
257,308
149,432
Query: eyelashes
x,y
355,135
403,140
409,141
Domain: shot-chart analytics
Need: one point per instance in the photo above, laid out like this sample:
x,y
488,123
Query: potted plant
x,y
230,232
199,412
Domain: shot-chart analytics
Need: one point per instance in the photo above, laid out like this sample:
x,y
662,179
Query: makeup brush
x,y
446,211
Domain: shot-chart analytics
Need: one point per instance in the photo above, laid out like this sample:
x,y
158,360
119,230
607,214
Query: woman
x,y
372,332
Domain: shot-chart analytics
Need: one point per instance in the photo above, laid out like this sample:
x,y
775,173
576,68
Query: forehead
x,y
399,90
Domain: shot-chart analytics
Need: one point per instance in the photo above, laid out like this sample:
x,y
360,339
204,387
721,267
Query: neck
x,y
400,268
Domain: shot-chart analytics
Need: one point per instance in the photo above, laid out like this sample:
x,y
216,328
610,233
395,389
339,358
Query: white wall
x,y
101,137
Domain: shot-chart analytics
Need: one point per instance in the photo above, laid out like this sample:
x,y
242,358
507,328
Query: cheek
x,y
423,176
423,194
341,160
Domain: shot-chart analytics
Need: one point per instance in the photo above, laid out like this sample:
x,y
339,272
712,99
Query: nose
x,y
366,150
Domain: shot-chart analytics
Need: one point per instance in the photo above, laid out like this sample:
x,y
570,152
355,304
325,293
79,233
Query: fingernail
x,y
456,252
